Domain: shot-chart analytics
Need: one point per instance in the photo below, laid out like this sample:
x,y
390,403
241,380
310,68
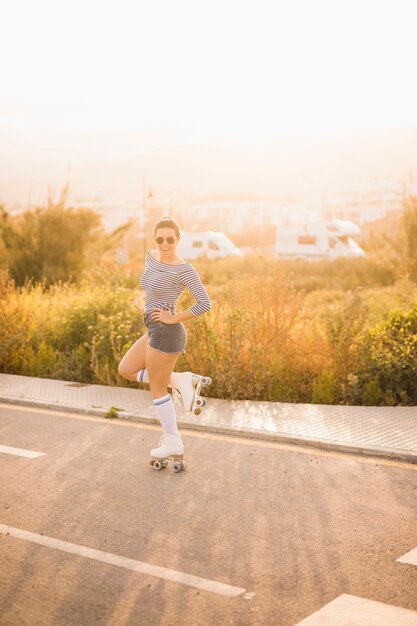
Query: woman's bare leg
x,y
134,359
160,366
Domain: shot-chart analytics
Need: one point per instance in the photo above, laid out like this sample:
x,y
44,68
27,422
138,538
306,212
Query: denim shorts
x,y
168,338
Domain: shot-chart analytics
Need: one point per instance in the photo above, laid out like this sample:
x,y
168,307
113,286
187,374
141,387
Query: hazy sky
x,y
156,73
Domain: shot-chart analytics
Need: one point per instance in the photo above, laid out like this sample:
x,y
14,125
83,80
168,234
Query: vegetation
x,y
339,332
112,413
48,244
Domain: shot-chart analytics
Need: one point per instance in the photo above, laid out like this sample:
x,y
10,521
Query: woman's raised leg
x,y
135,359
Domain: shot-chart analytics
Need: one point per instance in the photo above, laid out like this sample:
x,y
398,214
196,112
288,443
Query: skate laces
x,y
162,440
176,395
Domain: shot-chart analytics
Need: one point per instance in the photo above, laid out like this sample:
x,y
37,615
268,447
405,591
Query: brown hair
x,y
167,222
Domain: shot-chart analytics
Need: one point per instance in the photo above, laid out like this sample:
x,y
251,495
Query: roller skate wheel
x,y
206,380
200,402
176,467
158,465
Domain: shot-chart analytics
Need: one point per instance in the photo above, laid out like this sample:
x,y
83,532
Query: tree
x,y
48,244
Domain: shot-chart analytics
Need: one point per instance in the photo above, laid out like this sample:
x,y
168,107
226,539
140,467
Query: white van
x,y
323,239
209,243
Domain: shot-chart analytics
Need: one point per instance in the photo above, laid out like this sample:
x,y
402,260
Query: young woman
x,y
152,358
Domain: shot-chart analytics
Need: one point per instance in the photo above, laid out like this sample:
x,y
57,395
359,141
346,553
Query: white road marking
x,y
410,557
121,561
347,610
249,595
30,454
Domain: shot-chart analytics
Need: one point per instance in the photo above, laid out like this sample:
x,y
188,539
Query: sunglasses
x,y
162,239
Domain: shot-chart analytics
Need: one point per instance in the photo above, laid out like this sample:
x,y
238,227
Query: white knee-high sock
x,y
166,413
142,376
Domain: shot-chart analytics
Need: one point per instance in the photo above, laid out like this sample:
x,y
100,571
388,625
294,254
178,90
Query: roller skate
x,y
170,451
186,386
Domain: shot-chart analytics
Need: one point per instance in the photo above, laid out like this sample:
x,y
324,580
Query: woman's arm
x,y
202,304
162,315
191,280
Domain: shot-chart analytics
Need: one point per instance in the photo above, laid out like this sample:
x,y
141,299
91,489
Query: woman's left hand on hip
x,y
161,315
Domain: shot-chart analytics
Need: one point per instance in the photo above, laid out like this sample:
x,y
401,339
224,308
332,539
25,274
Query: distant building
x,y
113,214
361,208
230,215
380,198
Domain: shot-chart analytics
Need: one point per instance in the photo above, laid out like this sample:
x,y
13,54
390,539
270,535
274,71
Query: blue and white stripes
x,y
162,400
142,376
164,284
166,413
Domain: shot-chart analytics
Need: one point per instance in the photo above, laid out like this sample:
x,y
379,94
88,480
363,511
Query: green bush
x,y
15,325
372,394
326,389
48,244
389,361
67,332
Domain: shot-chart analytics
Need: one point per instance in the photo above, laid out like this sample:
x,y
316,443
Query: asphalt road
x,y
294,528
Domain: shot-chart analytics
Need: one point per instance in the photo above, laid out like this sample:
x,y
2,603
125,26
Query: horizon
x,y
293,167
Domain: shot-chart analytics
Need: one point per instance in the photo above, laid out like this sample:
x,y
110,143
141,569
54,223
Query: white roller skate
x,y
171,450
186,386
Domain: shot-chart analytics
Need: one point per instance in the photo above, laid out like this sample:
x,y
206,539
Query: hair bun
x,y
167,222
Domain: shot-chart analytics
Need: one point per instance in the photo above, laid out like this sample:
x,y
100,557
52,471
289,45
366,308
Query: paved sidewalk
x,y
373,431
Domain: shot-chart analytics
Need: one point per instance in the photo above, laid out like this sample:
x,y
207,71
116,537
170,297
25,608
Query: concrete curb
x,y
404,456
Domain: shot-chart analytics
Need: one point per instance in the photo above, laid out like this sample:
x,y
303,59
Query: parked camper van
x,y
209,243
324,239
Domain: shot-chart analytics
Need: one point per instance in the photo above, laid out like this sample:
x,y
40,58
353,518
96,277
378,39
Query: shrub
x,y
344,328
241,344
389,364
48,244
326,389
67,332
14,325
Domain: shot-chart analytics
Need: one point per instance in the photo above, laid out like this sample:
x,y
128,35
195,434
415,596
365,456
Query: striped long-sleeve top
x,y
164,284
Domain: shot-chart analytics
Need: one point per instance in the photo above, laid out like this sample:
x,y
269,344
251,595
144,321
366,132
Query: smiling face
x,y
166,241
